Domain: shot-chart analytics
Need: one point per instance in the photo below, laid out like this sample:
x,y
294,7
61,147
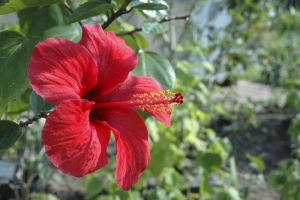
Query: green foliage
x,y
42,196
229,194
17,5
9,134
136,41
63,32
286,179
94,188
156,66
35,21
151,5
154,27
89,9
210,161
14,108
14,81
260,43
257,162
233,171
38,104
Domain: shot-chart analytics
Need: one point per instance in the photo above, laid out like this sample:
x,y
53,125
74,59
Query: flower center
x,y
151,102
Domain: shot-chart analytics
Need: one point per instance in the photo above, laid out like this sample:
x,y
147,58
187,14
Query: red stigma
x,y
178,98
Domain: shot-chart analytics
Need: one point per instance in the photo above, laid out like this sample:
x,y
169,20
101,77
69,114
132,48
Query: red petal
x,y
136,85
74,144
114,59
61,70
131,144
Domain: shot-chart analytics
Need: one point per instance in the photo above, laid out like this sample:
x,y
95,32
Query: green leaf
x,y
154,27
10,132
148,6
257,162
156,66
43,196
17,5
3,2
210,161
277,178
118,193
161,156
225,147
35,21
107,1
205,188
63,32
15,108
233,193
94,187
43,171
208,66
89,9
14,79
233,172
172,177
191,125
38,104
136,43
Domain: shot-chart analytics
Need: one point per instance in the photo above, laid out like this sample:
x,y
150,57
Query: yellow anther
x,y
156,101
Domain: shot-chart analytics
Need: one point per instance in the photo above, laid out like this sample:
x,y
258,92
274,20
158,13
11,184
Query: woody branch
x,y
166,19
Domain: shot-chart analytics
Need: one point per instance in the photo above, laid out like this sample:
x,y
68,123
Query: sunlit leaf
x,y
233,193
191,125
257,162
156,66
161,156
94,187
154,27
63,32
136,41
233,171
148,6
205,188
43,196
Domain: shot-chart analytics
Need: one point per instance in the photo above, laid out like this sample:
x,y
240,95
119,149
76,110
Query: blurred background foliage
x,y
221,43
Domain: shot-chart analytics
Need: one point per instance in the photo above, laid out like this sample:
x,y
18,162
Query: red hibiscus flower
x,y
90,85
